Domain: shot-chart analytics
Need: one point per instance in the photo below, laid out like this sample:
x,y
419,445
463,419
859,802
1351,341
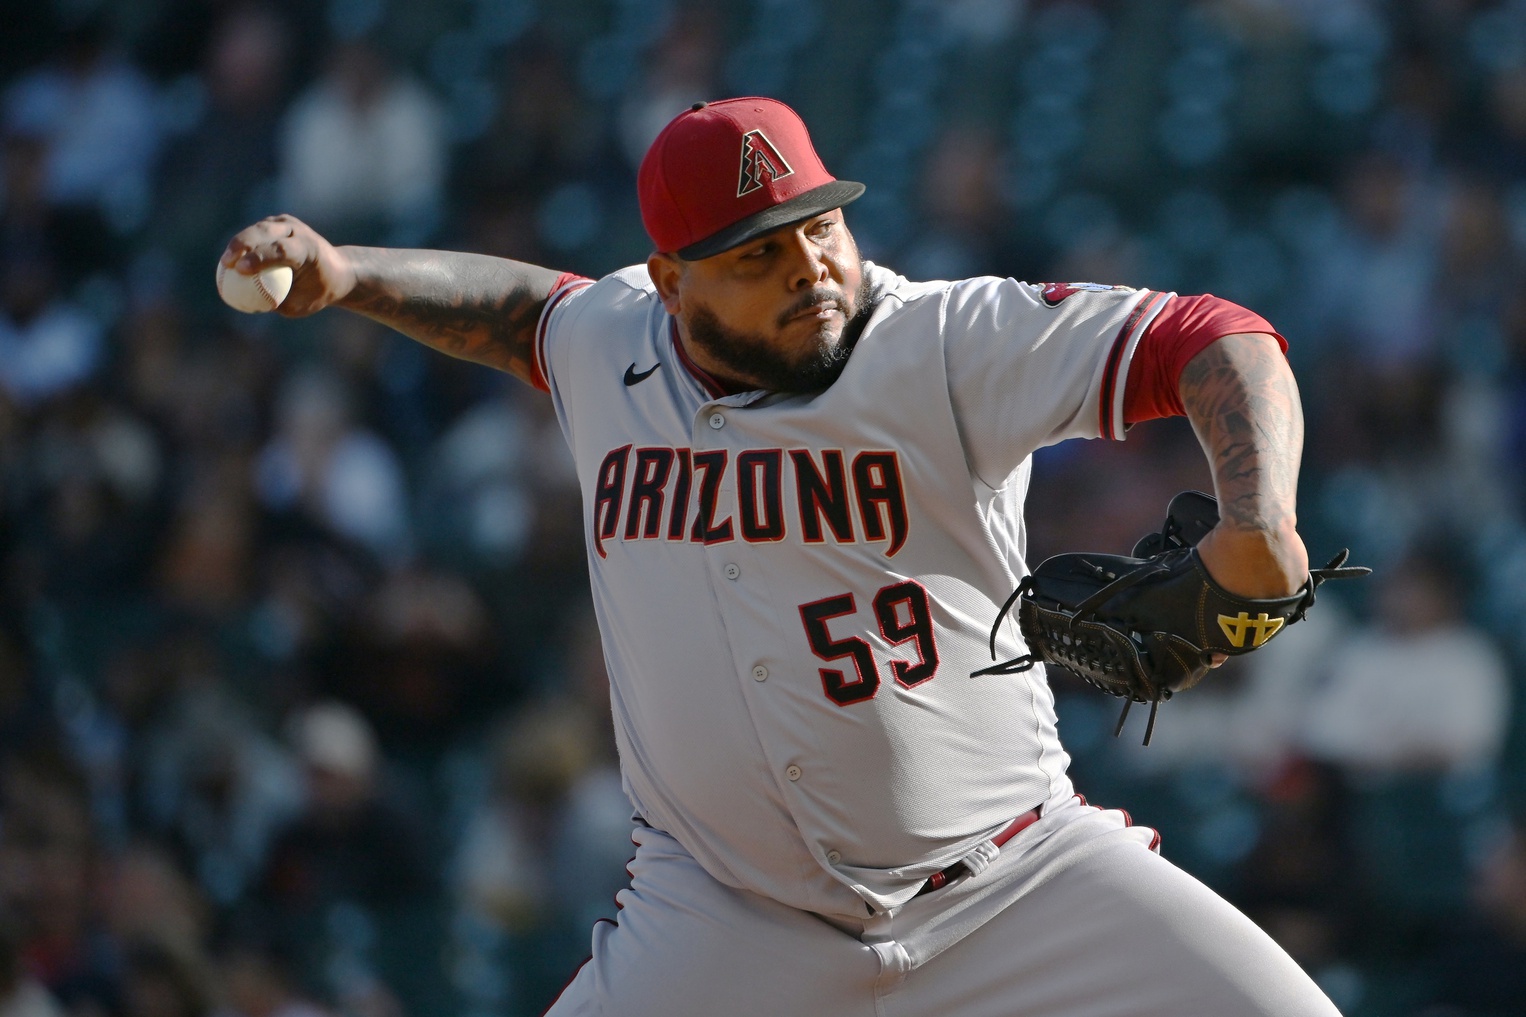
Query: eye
x,y
757,253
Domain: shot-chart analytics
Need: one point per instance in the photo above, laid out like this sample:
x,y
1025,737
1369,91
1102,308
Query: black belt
x,y
938,880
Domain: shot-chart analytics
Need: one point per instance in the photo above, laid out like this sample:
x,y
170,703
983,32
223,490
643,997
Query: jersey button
x,y
717,420
760,673
833,857
792,772
732,570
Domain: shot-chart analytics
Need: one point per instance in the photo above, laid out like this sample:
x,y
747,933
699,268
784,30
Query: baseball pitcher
x,y
803,478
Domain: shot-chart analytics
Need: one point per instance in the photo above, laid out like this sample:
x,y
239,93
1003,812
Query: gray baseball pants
x,y
1077,917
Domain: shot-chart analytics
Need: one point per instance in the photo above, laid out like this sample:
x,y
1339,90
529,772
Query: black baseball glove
x,y
1144,627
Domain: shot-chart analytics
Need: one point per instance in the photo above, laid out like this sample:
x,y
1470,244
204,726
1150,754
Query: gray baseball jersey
x,y
794,589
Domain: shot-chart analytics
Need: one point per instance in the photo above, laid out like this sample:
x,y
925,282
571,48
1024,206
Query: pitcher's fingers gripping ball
x,y
280,263
253,294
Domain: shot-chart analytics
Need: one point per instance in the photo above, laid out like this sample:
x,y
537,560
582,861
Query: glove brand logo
x,y
759,159
1235,628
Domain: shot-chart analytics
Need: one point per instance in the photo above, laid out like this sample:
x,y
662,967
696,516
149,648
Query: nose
x,y
809,266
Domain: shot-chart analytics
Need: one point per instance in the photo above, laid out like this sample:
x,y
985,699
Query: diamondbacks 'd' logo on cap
x,y
760,159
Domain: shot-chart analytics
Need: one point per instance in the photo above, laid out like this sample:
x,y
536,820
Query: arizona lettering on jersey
x,y
829,492
793,589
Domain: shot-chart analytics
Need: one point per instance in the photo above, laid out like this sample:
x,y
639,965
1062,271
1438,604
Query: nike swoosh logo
x,y
633,377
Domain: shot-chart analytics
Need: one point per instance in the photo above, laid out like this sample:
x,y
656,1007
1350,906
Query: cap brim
x,y
802,206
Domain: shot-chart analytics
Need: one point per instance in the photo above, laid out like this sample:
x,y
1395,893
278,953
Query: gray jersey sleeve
x,y
1031,364
556,329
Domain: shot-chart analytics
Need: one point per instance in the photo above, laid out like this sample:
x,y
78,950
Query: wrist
x,y
1260,563
346,275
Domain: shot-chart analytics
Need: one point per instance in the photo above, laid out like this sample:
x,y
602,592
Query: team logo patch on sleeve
x,y
760,160
1053,293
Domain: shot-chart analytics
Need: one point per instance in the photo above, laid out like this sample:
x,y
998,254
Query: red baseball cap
x,y
724,172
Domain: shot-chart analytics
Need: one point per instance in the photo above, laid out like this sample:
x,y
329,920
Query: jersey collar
x,y
706,380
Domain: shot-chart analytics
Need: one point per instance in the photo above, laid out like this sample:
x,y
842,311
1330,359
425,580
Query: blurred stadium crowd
x,y
302,710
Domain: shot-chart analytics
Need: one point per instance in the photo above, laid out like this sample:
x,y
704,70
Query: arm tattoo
x,y
1243,403
470,306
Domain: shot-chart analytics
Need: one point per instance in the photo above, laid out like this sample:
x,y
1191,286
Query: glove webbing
x,y
1085,608
1078,648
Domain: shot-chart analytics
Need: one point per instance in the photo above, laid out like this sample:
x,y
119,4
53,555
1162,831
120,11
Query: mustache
x,y
816,295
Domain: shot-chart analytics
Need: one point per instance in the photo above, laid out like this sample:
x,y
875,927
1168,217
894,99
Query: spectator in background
x,y
48,858
966,219
86,492
47,345
554,834
22,712
21,995
144,899
347,869
545,132
420,654
217,788
206,562
341,475
24,215
363,150
501,870
1481,966
1478,279
160,981
258,981
542,857
161,922
1419,691
1300,882
592,842
1505,152
679,71
1371,291
212,172
478,507
348,844
96,114
307,588
1371,285
29,221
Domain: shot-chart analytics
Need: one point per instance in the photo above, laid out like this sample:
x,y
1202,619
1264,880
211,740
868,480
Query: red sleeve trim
x,y
1184,328
1118,358
567,282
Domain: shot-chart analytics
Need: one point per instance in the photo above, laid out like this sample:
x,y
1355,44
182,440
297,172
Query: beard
x,y
751,357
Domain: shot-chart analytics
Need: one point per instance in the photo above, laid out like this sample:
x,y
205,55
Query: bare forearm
x,y
1243,403
1242,400
471,306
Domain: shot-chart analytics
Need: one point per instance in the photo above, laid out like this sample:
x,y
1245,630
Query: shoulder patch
x,y
1053,293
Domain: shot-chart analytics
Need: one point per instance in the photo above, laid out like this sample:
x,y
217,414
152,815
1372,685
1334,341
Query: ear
x,y
667,273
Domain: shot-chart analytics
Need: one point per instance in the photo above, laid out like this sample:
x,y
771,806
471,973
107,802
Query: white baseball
x,y
252,294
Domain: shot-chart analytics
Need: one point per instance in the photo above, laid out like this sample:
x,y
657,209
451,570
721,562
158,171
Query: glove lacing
x,y
1162,563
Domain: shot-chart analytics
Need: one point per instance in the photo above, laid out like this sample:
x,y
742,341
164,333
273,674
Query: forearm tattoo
x,y
1243,403
470,306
